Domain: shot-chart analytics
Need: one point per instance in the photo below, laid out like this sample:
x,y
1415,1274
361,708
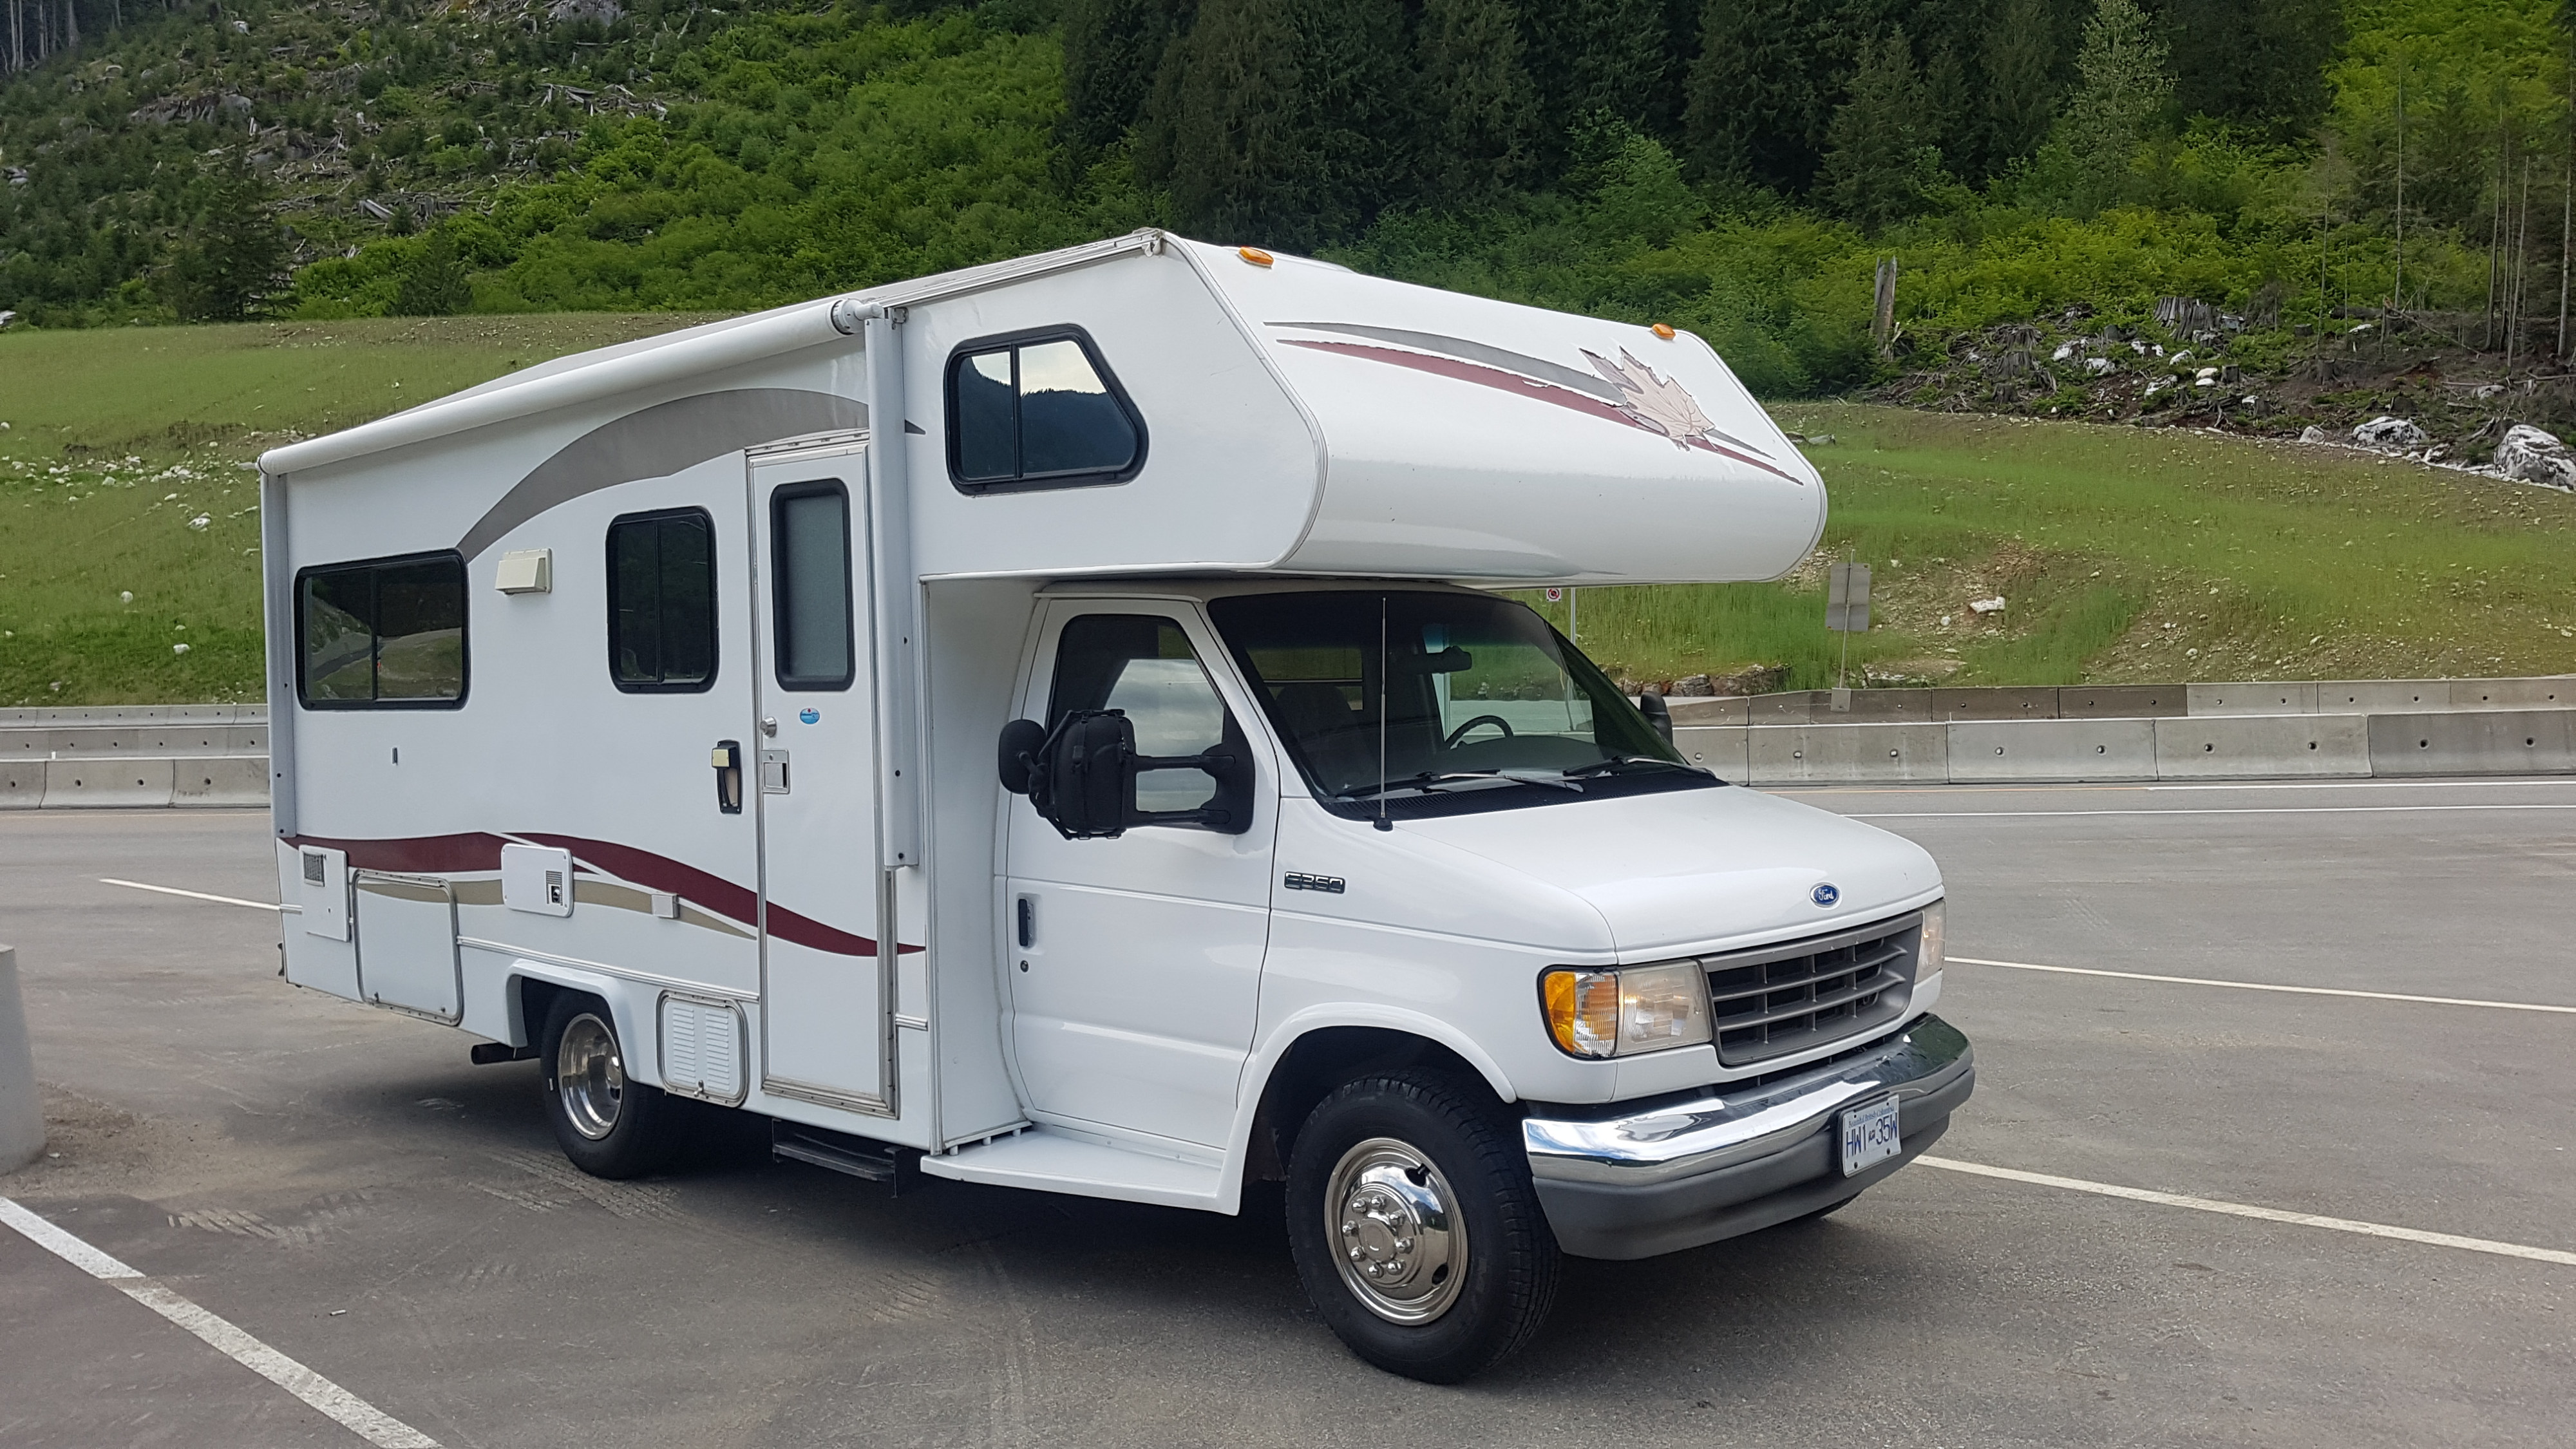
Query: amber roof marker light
x,y
1254,255
1664,330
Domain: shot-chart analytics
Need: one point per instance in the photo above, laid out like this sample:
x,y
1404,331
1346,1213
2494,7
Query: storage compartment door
x,y
407,944
826,987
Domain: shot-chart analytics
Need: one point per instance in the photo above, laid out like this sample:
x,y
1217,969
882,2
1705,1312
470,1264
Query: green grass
x,y
119,439
2128,554
2123,554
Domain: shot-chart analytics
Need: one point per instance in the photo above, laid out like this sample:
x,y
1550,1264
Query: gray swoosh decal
x,y
660,440
1521,362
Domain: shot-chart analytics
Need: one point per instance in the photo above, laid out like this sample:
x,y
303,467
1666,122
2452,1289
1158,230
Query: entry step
x,y
1054,1161
843,1153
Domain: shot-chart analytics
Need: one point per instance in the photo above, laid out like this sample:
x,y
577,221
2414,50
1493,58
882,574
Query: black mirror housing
x,y
1023,741
1081,776
1657,713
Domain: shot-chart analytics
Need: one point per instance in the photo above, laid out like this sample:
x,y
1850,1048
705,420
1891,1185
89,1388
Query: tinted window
x,y
1144,666
662,601
1038,411
810,549
389,632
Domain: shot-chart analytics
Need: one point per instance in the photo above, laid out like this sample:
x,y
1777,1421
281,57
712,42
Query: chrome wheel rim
x,y
590,1078
1397,1238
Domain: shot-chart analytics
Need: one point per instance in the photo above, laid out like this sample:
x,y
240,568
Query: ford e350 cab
x,y
1058,725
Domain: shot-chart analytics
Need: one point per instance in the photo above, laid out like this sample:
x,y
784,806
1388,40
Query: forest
x,y
1741,168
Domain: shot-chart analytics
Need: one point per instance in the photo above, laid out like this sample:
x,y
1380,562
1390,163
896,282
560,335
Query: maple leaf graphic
x,y
1657,404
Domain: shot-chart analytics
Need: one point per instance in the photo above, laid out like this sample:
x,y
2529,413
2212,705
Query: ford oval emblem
x,y
1824,895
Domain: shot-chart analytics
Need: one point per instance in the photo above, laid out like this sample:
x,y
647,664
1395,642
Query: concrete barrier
x,y
2226,699
81,742
1876,706
2280,746
2053,749
2473,742
2121,701
131,714
1847,754
22,1116
2379,696
1795,707
22,784
1728,710
2513,693
1722,748
220,780
107,784
1995,703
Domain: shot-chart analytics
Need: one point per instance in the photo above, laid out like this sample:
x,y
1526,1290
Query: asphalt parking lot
x,y
341,1184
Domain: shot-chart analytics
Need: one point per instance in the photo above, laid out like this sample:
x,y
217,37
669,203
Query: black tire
x,y
1466,1145
608,1125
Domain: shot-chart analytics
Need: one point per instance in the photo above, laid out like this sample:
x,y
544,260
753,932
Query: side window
x,y
662,602
1039,410
383,634
809,544
1143,664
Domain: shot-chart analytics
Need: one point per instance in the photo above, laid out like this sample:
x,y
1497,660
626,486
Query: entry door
x,y
825,993
1135,963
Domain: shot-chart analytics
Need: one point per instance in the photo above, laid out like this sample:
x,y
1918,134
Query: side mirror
x,y
1023,740
1658,714
1081,776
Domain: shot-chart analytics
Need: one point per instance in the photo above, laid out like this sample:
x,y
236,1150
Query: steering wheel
x,y
1497,721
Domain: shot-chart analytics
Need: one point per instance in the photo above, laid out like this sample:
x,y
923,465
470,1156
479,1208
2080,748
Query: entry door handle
x,y
728,763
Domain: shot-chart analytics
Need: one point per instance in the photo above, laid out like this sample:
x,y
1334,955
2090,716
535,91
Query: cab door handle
x,y
727,760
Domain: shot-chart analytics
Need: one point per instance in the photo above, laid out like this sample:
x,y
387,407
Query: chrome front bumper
x,y
1731,1163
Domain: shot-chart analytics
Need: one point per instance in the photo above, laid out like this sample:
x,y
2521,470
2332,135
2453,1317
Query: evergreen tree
x,y
1112,51
2021,84
433,281
1880,165
1762,91
2257,62
232,257
1590,56
1483,112
2121,91
1289,121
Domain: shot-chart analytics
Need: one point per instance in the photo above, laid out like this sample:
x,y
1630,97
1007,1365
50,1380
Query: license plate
x,y
1870,1136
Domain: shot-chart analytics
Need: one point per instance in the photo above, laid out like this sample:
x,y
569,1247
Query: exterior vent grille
x,y
1775,1000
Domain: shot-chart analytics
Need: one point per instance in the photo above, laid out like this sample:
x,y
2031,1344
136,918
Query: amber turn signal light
x,y
1254,255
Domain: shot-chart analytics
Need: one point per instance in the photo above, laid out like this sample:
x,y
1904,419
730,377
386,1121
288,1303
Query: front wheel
x,y
1416,1229
608,1125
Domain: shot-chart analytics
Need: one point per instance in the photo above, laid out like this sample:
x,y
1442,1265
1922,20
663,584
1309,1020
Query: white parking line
x,y
2247,1210
360,1417
2225,810
2498,782
192,895
2268,986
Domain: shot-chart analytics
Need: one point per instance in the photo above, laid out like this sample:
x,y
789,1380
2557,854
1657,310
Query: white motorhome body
x,y
639,710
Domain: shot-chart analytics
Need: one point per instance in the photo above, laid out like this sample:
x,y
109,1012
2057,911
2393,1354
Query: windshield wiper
x,y
1430,780
1598,767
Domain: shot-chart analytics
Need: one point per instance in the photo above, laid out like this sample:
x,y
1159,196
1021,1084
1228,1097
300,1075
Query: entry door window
x,y
810,547
1143,665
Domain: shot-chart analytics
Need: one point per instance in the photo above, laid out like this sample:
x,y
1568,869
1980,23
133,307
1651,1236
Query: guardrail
x,y
2221,747
2129,701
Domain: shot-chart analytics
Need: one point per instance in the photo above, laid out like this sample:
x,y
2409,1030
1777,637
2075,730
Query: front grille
x,y
1774,1000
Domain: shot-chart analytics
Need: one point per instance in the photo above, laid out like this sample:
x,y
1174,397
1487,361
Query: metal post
x,y
22,1118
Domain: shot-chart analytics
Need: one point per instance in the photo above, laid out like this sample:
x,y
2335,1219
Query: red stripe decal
x,y
1528,387
457,854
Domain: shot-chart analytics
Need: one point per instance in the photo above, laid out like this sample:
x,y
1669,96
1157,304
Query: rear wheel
x,y
1415,1227
608,1125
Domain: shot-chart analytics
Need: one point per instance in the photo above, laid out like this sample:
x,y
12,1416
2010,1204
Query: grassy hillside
x,y
2121,554
126,470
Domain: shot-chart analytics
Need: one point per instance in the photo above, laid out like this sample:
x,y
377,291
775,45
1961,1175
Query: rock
x,y
2534,456
2098,366
2390,435
1994,605
2315,434
606,12
1696,686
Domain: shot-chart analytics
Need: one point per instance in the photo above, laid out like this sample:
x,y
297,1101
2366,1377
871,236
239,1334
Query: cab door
x,y
1135,963
826,972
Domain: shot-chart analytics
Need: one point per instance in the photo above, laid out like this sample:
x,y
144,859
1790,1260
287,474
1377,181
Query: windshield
x,y
1478,695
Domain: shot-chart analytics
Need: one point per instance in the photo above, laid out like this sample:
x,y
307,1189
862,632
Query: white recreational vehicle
x,y
1050,725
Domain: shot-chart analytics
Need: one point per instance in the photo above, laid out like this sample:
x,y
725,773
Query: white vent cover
x,y
536,879
526,571
701,1049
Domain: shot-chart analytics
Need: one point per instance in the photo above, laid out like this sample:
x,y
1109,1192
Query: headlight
x,y
1928,959
1631,1009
